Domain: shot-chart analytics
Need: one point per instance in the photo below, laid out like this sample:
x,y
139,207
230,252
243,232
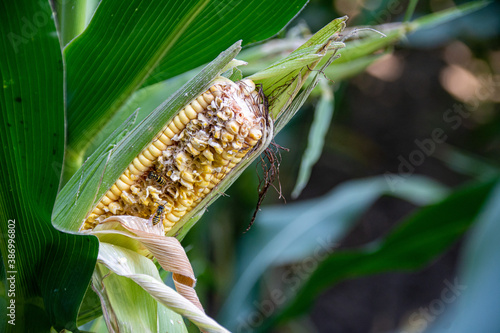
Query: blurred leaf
x,y
410,246
467,163
319,127
141,43
478,296
482,24
289,233
341,71
410,10
51,269
99,326
431,20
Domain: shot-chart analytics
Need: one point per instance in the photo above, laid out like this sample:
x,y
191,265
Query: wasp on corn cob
x,y
189,156
158,215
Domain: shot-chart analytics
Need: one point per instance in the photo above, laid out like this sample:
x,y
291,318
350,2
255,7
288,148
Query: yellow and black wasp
x,y
158,217
158,178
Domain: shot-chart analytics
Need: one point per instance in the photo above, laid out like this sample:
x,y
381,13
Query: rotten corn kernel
x,y
189,157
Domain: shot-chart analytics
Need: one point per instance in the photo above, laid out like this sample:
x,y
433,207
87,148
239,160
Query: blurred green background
x,y
419,126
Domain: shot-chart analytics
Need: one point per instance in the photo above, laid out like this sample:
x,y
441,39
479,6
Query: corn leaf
x,y
50,270
90,308
73,16
468,163
87,186
139,43
411,245
341,71
284,234
321,123
477,294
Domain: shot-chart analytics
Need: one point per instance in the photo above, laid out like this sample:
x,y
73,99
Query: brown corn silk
x,y
191,154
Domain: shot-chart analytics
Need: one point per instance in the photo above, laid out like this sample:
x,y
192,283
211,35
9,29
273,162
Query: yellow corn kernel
x,y
165,139
122,186
159,145
126,179
114,207
139,165
190,112
197,106
174,128
203,103
98,211
111,195
208,155
188,158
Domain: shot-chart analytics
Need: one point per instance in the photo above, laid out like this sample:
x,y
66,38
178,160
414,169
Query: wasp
x,y
158,178
158,217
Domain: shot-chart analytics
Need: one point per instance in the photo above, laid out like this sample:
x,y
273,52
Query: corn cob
x,y
189,156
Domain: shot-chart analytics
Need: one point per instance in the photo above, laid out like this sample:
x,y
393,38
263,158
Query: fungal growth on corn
x,y
189,157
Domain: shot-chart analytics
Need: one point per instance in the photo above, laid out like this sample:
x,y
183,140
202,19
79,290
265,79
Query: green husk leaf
x,y
144,274
86,187
282,81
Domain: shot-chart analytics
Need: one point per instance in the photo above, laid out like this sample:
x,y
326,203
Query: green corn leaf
x,y
90,308
447,15
139,43
73,16
322,118
411,245
476,297
51,270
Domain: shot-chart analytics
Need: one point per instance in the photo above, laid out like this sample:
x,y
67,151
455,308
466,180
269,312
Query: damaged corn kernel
x,y
189,157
